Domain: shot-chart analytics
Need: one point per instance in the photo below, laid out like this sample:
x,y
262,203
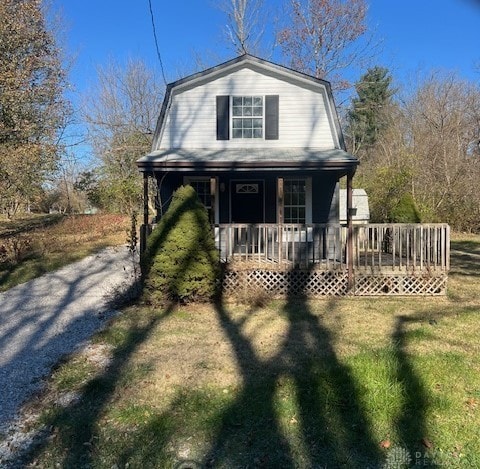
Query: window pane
x,y
237,101
247,133
288,215
287,198
247,101
257,111
237,133
257,101
257,133
257,123
237,111
247,123
247,111
237,123
301,198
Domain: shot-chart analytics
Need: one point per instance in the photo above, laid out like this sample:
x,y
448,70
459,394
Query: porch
x,y
322,259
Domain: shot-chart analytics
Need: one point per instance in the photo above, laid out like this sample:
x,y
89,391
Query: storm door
x,y
247,201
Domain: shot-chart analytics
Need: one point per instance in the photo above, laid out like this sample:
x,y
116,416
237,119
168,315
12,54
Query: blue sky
x,y
416,35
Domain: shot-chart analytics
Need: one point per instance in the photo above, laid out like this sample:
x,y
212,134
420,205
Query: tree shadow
x,y
331,426
465,258
76,426
411,421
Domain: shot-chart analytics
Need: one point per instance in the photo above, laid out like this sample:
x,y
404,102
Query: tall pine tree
x,y
368,116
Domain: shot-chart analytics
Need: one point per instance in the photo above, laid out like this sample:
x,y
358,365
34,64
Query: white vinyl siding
x,y
303,120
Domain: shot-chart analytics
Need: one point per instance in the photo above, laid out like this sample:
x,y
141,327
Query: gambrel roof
x,y
188,158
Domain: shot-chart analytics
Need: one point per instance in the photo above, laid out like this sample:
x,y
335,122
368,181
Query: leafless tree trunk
x,y
325,37
121,114
246,26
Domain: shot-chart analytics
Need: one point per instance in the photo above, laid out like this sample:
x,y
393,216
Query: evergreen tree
x,y
181,263
368,116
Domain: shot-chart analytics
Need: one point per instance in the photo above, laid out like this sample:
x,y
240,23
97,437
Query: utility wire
x,y
156,41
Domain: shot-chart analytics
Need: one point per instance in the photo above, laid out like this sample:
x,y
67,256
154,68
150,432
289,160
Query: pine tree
x,y
368,116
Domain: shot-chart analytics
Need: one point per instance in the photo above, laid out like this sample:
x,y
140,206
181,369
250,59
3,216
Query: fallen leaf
x,y
427,443
385,444
472,403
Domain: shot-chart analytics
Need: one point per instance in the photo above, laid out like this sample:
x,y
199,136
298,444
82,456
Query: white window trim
x,y
308,197
188,179
231,117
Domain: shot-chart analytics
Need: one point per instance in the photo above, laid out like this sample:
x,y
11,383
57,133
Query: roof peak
x,y
247,58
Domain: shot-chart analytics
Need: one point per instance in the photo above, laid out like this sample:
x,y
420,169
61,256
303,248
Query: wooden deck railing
x,y
376,247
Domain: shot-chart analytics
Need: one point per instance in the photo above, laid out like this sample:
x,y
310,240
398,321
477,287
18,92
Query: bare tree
x,y
443,117
121,113
325,37
246,26
429,150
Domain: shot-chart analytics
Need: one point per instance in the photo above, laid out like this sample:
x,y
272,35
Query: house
x,y
262,146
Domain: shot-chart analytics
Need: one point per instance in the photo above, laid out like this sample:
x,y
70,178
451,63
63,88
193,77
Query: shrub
x,y
181,263
405,211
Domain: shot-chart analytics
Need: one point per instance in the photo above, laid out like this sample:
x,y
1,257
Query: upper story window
x,y
247,117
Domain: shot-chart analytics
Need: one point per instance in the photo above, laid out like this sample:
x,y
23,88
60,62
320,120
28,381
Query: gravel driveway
x,y
53,315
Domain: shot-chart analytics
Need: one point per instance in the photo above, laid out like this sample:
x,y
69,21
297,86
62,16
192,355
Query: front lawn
x,y
340,382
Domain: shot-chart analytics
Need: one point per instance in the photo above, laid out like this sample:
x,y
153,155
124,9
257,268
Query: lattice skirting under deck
x,y
332,283
400,284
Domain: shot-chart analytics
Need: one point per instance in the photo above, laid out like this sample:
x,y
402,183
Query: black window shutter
x,y
223,117
271,117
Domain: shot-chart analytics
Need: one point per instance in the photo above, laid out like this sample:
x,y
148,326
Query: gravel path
x,y
46,318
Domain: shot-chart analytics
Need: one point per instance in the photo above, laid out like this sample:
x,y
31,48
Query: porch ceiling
x,y
245,159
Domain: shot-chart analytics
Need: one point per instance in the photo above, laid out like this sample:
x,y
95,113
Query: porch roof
x,y
245,159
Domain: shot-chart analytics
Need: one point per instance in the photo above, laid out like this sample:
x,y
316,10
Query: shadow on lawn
x,y
76,426
328,424
328,420
465,258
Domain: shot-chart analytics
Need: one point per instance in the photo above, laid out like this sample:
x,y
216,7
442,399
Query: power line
x,y
156,41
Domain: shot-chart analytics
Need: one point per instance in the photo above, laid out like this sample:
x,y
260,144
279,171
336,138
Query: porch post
x,y
350,231
213,196
280,218
144,227
145,198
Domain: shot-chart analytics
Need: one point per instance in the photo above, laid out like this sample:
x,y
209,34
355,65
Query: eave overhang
x,y
229,160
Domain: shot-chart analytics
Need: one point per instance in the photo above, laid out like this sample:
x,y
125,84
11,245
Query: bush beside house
x,y
181,262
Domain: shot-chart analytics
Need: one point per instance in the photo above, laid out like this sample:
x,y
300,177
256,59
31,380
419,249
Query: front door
x,y
247,201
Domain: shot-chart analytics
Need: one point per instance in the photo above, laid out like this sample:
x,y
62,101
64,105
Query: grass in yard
x,y
340,382
29,247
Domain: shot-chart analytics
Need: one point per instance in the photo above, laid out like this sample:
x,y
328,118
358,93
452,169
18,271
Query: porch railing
x,y
376,247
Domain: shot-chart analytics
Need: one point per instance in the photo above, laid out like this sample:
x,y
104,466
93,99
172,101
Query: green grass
x,y
327,383
30,247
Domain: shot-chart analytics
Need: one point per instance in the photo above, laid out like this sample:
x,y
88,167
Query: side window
x,y
294,210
